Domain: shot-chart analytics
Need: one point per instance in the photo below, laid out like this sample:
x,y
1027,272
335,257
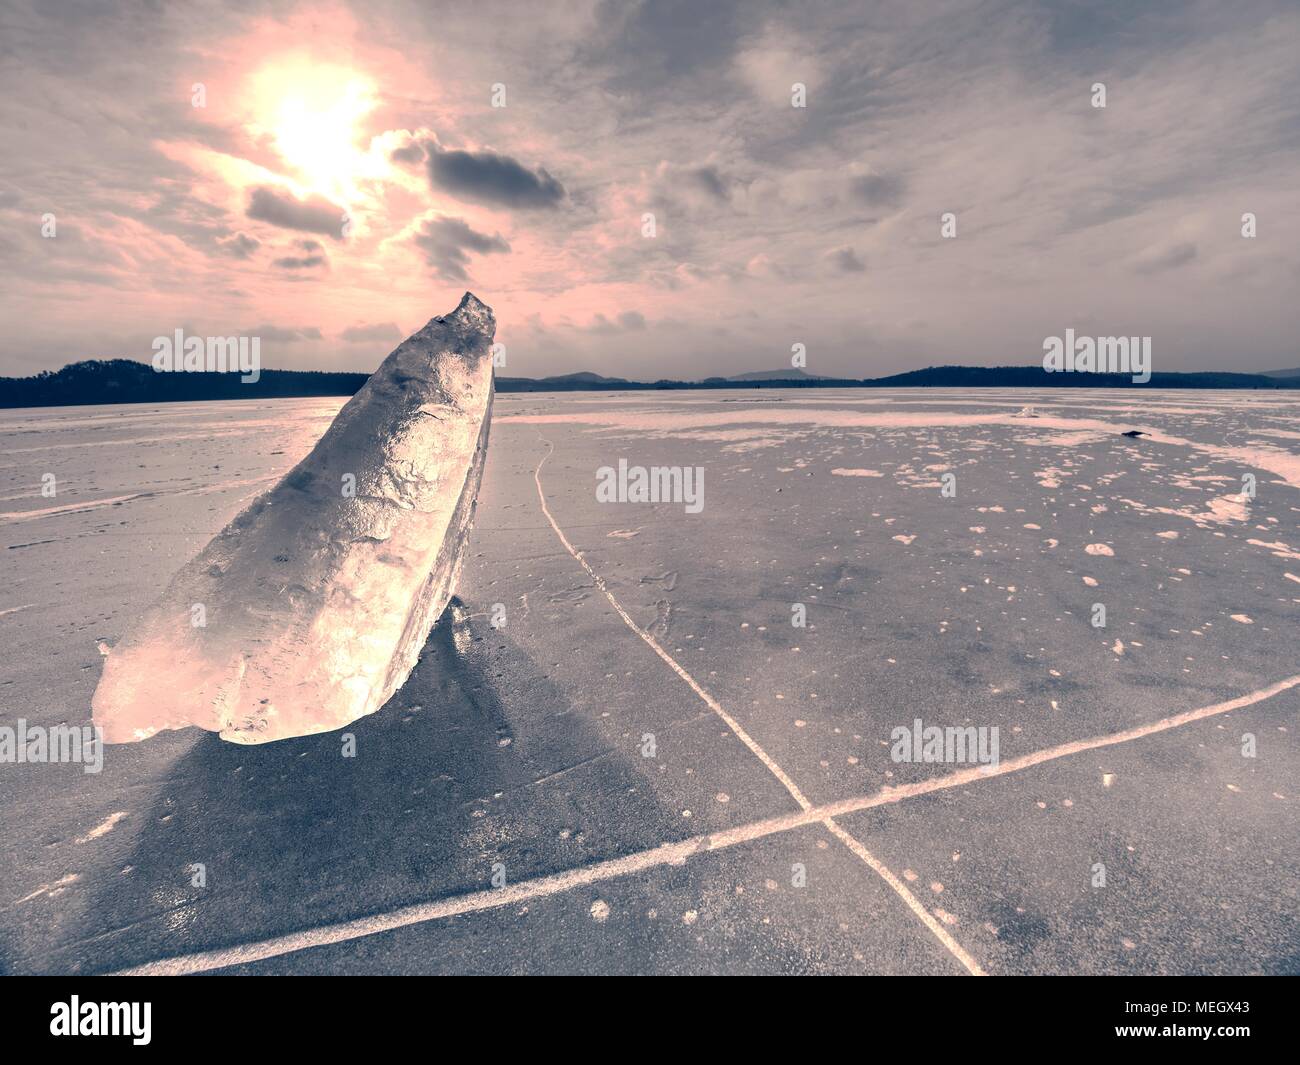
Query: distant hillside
x,y
1282,373
570,382
125,381
1037,377
585,377
792,374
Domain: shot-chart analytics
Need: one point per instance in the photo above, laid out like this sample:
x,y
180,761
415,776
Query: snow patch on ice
x,y
104,827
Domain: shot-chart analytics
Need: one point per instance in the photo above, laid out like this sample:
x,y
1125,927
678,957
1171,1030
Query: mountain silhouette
x,y
127,381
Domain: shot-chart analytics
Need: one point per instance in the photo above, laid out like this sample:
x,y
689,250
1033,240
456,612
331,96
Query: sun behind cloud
x,y
313,115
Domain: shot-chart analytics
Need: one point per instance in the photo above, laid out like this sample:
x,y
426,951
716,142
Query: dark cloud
x,y
239,246
876,189
283,209
488,177
378,331
313,255
446,243
411,153
711,181
846,260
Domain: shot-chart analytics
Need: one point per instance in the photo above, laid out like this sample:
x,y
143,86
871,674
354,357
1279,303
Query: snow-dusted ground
x,y
519,751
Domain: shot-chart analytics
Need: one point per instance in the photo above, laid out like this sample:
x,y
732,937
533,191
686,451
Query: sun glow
x,y
312,114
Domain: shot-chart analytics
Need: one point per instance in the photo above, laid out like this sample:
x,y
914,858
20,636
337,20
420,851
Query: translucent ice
x,y
310,608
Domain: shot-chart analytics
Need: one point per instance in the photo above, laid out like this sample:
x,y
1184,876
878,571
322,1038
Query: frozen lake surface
x,y
643,685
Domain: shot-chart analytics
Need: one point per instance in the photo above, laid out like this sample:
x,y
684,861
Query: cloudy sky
x,y
347,176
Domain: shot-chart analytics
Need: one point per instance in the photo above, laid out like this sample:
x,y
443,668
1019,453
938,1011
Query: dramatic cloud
x,y
281,208
489,178
447,241
768,216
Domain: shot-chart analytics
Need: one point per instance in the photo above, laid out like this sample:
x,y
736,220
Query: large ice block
x,y
315,601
